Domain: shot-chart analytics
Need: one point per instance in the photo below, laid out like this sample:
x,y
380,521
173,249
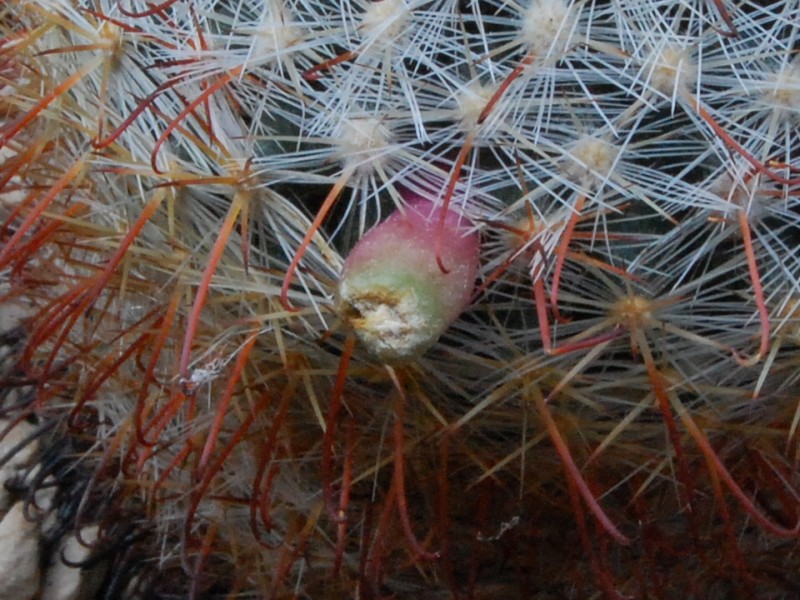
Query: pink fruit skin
x,y
397,260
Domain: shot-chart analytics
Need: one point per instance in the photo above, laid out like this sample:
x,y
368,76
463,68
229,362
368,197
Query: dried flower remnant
x,y
392,292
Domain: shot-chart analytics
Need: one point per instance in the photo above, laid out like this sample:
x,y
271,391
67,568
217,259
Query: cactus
x,y
604,402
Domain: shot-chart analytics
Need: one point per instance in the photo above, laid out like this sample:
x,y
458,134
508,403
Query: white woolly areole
x,y
390,323
363,142
783,90
671,70
743,193
472,100
384,22
273,38
591,160
546,26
